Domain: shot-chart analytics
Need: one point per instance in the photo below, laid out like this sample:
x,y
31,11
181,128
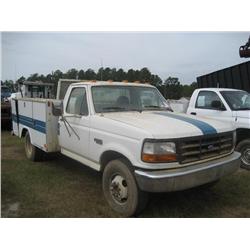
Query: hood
x,y
163,124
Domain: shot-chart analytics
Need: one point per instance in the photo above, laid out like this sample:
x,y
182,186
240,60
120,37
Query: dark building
x,y
236,77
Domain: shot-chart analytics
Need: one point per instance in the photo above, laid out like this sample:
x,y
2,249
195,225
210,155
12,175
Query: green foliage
x,y
81,75
171,88
72,74
187,90
90,74
9,84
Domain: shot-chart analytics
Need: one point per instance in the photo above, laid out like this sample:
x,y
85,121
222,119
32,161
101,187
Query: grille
x,y
205,147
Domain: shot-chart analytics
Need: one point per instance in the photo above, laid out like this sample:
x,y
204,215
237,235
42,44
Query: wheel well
x,y
24,131
242,133
110,156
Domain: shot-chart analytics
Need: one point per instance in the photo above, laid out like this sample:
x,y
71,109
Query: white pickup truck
x,y
228,105
126,131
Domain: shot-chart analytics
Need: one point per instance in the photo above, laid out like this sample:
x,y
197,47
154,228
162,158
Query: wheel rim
x,y
245,157
28,146
119,189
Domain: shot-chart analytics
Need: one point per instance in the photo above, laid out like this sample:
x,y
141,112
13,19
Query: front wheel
x,y
121,190
32,152
244,148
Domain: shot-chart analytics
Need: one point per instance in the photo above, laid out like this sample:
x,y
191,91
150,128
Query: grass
x,y
64,188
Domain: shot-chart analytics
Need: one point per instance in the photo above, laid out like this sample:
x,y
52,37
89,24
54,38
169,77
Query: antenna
x,y
101,68
218,85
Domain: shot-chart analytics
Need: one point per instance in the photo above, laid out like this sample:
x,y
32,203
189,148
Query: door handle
x,y
193,113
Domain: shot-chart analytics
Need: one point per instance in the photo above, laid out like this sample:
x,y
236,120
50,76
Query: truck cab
x,y
229,105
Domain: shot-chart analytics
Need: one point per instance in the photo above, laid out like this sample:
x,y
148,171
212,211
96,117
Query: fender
x,y
121,150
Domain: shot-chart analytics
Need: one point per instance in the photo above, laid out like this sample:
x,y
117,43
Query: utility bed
x,y
35,115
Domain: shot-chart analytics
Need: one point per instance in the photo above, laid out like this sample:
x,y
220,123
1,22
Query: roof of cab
x,y
220,89
110,83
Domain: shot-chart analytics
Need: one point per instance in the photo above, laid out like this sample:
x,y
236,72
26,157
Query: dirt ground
x,y
65,188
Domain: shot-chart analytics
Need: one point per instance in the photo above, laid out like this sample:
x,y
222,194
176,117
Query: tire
x,y
32,152
244,148
120,189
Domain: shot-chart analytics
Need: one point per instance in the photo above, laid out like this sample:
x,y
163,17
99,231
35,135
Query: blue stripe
x,y
31,123
205,128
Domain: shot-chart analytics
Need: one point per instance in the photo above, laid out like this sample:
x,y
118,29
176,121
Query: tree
x,y
107,74
113,74
144,75
172,80
172,88
81,75
72,74
58,74
49,78
131,75
34,77
9,84
90,74
120,75
155,80
99,75
21,79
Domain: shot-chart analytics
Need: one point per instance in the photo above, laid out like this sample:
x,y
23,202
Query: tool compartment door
x,y
39,125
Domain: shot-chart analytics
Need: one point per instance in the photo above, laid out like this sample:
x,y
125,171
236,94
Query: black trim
x,y
98,141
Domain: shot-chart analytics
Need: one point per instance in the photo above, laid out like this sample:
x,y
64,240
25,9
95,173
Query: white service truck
x,y
126,131
228,105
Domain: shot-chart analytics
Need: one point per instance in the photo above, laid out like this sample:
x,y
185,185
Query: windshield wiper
x,y
152,106
110,109
158,107
113,108
155,107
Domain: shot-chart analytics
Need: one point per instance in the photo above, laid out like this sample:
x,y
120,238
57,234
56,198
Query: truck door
x,y
204,106
74,132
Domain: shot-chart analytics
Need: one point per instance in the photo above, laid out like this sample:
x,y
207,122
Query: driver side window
x,y
77,103
205,99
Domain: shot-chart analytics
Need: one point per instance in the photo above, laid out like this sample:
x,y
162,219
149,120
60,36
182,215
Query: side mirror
x,y
218,105
57,108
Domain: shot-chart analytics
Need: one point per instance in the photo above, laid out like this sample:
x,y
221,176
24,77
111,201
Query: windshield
x,y
126,98
237,100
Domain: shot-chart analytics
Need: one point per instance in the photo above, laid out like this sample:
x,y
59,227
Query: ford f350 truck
x,y
228,105
126,131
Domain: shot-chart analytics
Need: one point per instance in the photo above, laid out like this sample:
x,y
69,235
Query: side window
x,y
77,103
205,99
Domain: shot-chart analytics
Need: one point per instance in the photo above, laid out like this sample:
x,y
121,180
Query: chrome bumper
x,y
187,177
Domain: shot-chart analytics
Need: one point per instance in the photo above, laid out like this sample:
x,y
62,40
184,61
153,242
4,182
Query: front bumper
x,y
187,177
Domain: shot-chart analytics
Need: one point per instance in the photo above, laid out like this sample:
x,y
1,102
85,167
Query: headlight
x,y
158,152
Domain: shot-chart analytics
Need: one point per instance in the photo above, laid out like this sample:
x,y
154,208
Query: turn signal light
x,y
159,158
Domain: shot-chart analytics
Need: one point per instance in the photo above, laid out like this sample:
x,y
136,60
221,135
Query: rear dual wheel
x,y
32,152
121,190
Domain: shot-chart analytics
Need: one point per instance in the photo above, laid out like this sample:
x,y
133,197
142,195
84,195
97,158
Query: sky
x,y
182,54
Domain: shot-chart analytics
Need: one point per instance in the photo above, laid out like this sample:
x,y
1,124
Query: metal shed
x,y
237,77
